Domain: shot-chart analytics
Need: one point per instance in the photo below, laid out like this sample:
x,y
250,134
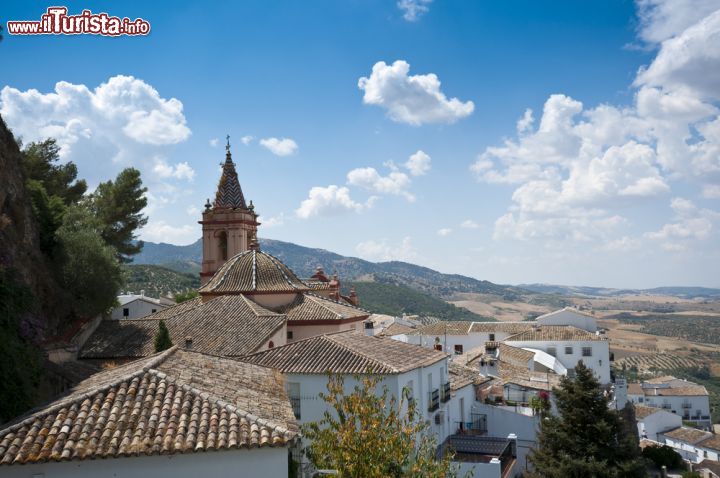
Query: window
x,y
458,349
271,344
492,337
289,334
571,373
222,245
293,390
587,351
153,311
552,351
126,312
568,350
641,399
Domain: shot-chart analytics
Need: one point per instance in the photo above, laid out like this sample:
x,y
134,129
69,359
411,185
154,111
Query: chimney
x,y
354,297
142,293
188,342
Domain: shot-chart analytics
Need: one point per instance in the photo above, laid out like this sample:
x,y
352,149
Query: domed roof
x,y
251,272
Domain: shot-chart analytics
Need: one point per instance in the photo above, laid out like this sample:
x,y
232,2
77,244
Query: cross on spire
x,y
227,146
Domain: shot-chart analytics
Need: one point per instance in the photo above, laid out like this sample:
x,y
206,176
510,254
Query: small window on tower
x,y
289,334
126,312
222,245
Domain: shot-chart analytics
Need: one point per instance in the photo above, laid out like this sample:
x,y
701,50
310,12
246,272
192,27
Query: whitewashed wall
x,y
659,422
137,309
267,462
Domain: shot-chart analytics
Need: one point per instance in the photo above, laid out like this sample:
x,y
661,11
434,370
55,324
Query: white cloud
x,y
525,123
329,201
411,99
413,9
193,211
161,231
247,139
691,223
383,251
395,183
711,191
419,163
274,221
178,171
622,244
280,146
469,224
445,231
214,142
664,19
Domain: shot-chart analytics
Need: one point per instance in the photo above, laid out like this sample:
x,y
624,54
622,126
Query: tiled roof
x,y
460,327
318,285
635,389
450,327
313,307
566,309
553,333
229,193
396,329
230,325
661,379
688,435
520,375
461,376
507,327
641,411
514,355
251,272
690,391
172,402
713,442
346,353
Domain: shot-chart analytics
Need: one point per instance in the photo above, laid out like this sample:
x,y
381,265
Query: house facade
x,y
686,399
136,306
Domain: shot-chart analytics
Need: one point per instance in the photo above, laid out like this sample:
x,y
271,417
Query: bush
x,y
664,456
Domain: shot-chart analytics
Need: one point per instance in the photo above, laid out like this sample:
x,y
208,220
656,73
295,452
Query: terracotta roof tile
x,y
253,271
229,193
461,327
313,307
641,411
553,333
462,375
172,402
515,355
396,329
713,443
346,353
231,325
688,435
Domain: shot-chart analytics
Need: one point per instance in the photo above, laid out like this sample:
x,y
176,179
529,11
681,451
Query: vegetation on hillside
x,y
158,281
365,434
586,437
398,300
694,328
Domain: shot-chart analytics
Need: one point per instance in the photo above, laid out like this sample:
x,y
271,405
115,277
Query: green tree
x,y
40,163
664,456
162,338
88,268
20,361
368,435
586,438
185,296
49,212
118,207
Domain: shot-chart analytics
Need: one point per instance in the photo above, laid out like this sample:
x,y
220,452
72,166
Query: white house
x,y
569,345
652,421
158,416
458,337
694,445
682,397
569,316
136,306
444,392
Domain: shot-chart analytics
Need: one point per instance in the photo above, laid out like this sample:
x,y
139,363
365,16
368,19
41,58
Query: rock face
x,y
19,243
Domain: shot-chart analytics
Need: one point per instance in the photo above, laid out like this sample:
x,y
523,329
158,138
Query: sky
x,y
518,141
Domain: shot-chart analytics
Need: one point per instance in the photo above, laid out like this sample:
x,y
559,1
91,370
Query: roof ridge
x,y
336,301
391,367
274,260
234,259
253,304
67,399
230,407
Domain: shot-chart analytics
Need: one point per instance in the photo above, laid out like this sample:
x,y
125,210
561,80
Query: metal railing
x,y
446,392
476,426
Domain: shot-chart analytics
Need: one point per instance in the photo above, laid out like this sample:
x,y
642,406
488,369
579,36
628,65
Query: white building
x,y
652,421
136,306
457,337
568,345
681,397
158,416
693,445
444,392
569,316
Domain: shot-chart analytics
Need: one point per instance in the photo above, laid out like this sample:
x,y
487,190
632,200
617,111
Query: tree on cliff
x,y
586,438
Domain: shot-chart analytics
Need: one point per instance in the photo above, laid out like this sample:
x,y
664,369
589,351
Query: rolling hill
x,y
584,291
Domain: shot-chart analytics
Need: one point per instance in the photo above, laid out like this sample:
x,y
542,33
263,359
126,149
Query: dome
x,y
253,272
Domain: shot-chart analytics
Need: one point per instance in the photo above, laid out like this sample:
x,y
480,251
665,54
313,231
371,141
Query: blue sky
x,y
613,179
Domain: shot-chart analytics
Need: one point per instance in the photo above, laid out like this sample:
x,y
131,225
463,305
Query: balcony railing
x,y
433,400
295,403
476,426
445,392
687,405
666,406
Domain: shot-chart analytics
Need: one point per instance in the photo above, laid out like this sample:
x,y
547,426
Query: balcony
x,y
476,426
687,405
433,400
481,450
295,403
445,395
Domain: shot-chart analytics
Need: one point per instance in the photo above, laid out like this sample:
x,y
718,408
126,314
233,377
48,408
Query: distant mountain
x,y
158,280
582,291
304,260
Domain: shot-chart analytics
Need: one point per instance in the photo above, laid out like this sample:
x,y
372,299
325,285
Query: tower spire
x,y
229,193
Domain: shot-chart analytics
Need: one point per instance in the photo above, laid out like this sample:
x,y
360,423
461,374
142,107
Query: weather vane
x,y
227,146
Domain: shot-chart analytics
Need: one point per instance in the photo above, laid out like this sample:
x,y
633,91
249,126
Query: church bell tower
x,y
229,225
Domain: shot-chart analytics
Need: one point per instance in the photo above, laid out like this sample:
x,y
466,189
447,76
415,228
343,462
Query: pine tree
x,y
586,438
162,338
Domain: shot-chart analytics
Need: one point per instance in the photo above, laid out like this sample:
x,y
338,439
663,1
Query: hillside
x,y
158,280
304,260
584,291
398,300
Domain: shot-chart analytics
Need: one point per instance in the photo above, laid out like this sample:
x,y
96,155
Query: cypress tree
x,y
586,438
162,338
